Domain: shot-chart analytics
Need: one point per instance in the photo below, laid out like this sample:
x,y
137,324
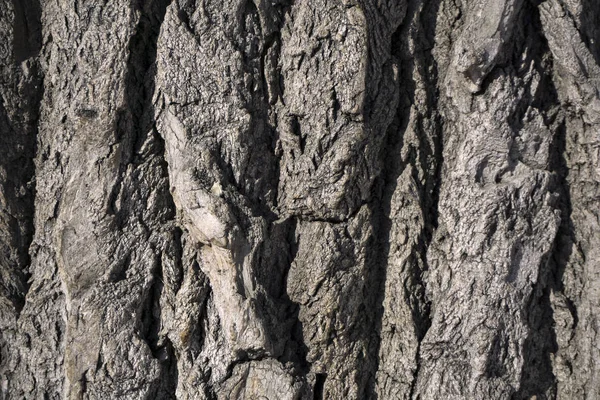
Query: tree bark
x,y
279,199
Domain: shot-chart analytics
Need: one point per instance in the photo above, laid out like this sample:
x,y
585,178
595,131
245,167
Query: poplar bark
x,y
290,199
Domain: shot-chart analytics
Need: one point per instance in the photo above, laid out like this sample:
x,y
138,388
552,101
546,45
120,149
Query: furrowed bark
x,y
348,199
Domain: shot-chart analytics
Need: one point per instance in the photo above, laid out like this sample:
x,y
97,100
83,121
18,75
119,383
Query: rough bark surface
x,y
289,199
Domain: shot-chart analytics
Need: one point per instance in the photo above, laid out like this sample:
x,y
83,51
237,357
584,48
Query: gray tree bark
x,y
279,199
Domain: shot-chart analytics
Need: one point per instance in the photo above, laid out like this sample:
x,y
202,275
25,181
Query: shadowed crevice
x,y
135,122
295,349
140,144
319,386
430,137
590,27
427,157
537,378
19,117
161,346
27,29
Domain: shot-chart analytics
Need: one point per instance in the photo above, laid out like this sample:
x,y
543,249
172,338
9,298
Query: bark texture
x,y
289,199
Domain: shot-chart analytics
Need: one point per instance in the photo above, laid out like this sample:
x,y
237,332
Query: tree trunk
x,y
279,199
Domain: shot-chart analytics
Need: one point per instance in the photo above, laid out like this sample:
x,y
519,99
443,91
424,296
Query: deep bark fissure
x,y
431,148
137,125
430,159
590,27
422,63
296,348
20,141
319,386
384,186
136,121
27,39
537,376
160,346
150,311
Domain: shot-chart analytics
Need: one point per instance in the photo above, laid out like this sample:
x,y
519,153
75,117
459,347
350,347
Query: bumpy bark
x,y
325,199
